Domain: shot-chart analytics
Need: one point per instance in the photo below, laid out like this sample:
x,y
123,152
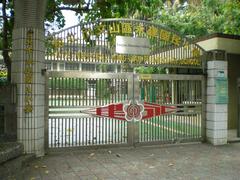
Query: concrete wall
x,y
10,115
233,74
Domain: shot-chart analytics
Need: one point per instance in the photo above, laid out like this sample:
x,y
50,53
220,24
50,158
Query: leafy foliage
x,y
209,16
192,18
150,70
103,89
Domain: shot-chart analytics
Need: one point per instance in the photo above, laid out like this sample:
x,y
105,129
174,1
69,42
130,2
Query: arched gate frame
x,y
96,108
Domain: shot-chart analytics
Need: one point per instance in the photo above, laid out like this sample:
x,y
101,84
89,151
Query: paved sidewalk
x,y
186,162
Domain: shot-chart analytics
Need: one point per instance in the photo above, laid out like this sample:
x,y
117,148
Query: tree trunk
x,y
5,52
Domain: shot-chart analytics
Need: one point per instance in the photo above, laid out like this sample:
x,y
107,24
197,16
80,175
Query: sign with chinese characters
x,y
221,90
150,31
132,45
123,41
28,72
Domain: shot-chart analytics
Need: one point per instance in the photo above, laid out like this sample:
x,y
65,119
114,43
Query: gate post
x,y
27,65
217,98
133,95
137,97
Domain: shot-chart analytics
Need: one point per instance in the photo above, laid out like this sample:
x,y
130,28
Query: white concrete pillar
x,y
28,60
217,102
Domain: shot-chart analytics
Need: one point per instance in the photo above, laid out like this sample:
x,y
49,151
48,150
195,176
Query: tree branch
x,y
6,17
88,4
85,9
77,9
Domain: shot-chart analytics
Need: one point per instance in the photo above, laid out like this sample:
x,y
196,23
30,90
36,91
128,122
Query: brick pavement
x,y
194,161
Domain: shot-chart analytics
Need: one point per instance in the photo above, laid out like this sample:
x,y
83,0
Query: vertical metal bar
x,y
148,122
89,130
103,135
83,131
99,131
61,91
77,137
65,131
79,140
74,92
114,130
86,92
70,91
46,108
51,134
65,91
69,130
109,130
105,130
183,102
62,127
73,130
94,137
58,92
78,92
55,91
203,113
54,129
58,132
130,125
113,83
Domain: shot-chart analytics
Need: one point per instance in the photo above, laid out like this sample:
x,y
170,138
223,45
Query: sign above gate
x,y
123,41
131,45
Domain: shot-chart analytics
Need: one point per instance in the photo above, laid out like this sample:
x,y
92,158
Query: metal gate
x,y
89,109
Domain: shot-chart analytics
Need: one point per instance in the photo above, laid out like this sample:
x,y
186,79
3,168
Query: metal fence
x,y
82,107
72,97
184,93
96,43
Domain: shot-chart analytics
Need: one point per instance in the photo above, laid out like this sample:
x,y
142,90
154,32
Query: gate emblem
x,y
130,110
133,111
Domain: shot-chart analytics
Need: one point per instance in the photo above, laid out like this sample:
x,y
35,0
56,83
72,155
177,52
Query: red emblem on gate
x,y
133,111
130,111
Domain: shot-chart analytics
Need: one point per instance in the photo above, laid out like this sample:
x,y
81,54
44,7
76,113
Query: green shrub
x,y
103,89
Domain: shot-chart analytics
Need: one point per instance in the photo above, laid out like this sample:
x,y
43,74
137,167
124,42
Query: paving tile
x,y
60,168
190,162
99,170
69,176
105,176
88,177
79,167
83,173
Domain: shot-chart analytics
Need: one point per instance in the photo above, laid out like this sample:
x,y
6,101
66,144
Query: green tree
x,y
89,9
6,33
199,18
192,18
